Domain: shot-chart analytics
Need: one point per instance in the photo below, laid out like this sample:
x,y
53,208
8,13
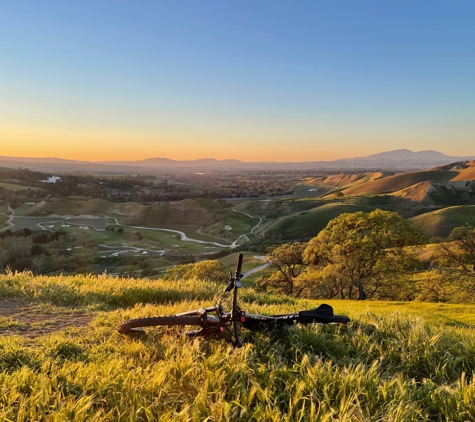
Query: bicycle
x,y
220,322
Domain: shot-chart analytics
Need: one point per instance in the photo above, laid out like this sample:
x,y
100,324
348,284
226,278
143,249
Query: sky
x,y
255,80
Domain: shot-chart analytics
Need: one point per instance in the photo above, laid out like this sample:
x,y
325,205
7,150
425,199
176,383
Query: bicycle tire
x,y
127,326
342,319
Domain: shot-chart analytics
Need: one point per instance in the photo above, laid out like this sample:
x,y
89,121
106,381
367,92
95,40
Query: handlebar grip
x,y
239,264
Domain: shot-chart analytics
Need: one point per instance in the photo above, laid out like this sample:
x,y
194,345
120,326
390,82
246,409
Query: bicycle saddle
x,y
323,311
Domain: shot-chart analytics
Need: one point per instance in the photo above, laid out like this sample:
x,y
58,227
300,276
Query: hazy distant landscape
x,y
392,160
143,223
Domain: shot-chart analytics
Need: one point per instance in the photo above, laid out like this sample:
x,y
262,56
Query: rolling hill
x,y
438,193
305,224
415,193
465,169
346,180
441,186
397,182
442,222
411,194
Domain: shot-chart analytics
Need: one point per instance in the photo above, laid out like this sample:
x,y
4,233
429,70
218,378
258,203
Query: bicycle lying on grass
x,y
215,320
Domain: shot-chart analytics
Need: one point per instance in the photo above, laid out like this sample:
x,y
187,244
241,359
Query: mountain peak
x,y
407,154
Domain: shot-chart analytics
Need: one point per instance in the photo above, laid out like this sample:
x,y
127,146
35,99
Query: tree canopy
x,y
457,257
208,270
363,254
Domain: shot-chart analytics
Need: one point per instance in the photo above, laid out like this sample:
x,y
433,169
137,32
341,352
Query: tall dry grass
x,y
385,366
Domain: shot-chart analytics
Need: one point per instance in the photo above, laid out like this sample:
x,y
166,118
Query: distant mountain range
x,y
401,159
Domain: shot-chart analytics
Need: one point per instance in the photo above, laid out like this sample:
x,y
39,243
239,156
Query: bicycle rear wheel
x,y
128,326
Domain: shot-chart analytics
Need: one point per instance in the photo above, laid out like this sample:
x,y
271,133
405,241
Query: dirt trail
x,y
22,318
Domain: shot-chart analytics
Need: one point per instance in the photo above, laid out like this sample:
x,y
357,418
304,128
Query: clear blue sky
x,y
253,80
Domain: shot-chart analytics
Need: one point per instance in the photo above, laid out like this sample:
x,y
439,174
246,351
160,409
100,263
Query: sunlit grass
x,y
11,324
396,361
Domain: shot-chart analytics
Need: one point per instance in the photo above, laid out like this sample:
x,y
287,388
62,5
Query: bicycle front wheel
x,y
128,326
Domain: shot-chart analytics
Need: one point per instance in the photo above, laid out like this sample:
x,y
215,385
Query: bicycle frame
x,y
214,320
214,324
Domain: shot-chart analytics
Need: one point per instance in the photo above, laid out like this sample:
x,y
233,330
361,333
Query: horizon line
x,y
211,158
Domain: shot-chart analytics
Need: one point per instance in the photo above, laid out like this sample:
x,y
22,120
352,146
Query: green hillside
x,y
61,358
306,224
3,214
271,209
3,220
442,222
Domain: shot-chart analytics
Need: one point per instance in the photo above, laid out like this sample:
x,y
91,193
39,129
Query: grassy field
x,y
15,188
3,220
32,222
307,190
186,216
3,214
62,360
173,240
140,238
193,232
158,238
65,207
3,207
231,225
186,212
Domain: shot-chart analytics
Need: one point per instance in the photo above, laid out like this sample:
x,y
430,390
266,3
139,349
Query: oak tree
x,y
287,263
457,258
364,253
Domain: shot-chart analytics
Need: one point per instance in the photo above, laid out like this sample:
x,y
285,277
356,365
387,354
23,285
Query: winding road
x,y
185,238
10,219
125,249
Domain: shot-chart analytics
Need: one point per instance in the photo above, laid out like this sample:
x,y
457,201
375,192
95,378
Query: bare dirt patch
x,y
30,320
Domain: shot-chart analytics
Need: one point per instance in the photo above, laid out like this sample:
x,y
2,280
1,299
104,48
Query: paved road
x,y
254,270
185,238
116,250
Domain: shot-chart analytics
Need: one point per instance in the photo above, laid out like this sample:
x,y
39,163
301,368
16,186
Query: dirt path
x,y
22,318
9,222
